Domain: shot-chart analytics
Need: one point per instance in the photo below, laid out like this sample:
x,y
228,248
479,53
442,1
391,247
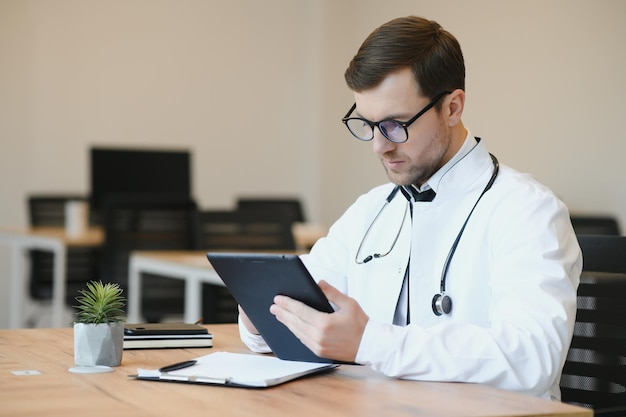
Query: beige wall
x,y
255,90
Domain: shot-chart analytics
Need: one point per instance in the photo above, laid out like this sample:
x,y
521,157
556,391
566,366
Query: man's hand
x,y
329,335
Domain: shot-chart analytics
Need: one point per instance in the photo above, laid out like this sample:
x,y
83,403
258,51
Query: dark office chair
x,y
290,207
595,225
594,374
239,230
245,229
81,262
148,223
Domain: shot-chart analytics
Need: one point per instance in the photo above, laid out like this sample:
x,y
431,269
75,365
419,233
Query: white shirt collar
x,y
435,180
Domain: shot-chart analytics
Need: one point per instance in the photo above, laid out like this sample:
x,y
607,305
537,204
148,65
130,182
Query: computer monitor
x,y
121,171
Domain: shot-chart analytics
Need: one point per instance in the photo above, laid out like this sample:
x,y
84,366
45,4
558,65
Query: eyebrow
x,y
397,117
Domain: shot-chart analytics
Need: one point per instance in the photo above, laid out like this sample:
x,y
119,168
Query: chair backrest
x,y
594,374
595,225
291,207
148,223
145,223
239,230
245,230
48,210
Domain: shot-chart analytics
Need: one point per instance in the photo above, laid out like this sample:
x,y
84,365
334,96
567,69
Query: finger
x,y
299,328
333,294
299,311
295,324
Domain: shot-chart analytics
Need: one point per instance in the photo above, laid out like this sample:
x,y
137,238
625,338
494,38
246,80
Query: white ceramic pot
x,y
98,344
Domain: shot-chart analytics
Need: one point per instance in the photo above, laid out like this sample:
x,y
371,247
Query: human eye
x,y
360,128
393,129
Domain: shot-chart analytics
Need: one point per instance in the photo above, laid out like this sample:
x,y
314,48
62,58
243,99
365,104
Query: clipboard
x,y
237,370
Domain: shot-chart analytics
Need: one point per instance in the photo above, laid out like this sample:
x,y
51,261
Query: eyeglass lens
x,y
391,129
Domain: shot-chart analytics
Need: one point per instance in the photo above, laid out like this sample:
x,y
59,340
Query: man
x,y
477,285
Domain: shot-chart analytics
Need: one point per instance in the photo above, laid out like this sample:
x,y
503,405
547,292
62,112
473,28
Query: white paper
x,y
239,369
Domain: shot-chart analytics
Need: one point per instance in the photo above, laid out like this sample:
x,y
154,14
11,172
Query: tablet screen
x,y
254,279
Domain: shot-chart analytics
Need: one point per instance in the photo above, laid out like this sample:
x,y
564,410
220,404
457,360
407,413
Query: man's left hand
x,y
329,335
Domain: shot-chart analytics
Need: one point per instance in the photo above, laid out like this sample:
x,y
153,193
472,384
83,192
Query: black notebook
x,y
166,335
254,279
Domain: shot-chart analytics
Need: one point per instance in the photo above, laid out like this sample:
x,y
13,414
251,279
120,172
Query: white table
x,y
193,268
56,240
53,239
189,266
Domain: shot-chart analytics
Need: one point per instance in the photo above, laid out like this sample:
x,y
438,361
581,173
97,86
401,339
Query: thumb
x,y
333,294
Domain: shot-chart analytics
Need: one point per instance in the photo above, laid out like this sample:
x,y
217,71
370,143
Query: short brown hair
x,y
433,54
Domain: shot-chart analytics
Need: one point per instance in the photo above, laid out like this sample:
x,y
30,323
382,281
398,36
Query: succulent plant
x,y
100,303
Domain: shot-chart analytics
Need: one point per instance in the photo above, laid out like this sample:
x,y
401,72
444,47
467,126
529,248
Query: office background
x,y
255,90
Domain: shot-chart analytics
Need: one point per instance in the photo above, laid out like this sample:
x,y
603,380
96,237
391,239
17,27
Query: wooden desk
x,y
348,391
55,240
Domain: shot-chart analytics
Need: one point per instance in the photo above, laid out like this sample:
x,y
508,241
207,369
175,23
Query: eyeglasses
x,y
393,130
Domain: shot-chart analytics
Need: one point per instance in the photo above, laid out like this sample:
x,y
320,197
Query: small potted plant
x,y
98,327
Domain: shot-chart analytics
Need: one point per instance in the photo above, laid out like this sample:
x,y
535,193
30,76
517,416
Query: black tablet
x,y
254,279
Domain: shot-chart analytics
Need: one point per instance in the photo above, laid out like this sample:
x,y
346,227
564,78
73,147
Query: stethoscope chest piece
x,y
442,304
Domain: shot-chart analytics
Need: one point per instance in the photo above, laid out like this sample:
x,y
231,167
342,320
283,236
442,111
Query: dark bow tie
x,y
426,195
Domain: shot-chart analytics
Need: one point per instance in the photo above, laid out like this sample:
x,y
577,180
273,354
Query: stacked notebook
x,y
166,335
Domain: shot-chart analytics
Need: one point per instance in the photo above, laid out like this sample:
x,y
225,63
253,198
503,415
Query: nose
x,y
380,144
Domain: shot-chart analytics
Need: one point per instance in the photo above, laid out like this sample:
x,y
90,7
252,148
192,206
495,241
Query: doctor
x,y
460,269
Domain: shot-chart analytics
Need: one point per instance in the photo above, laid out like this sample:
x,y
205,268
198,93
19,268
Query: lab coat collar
x,y
465,167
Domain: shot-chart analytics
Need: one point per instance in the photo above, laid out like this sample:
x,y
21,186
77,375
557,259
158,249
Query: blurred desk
x,y
348,391
53,239
306,234
190,266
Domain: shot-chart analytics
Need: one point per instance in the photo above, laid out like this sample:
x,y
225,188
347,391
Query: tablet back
x,y
254,279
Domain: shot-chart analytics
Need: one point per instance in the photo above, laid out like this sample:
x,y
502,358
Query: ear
x,y
454,105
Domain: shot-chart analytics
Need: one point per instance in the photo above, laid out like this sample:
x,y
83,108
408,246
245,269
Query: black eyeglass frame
x,y
404,125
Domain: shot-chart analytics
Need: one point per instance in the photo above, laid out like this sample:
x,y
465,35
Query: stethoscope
x,y
441,303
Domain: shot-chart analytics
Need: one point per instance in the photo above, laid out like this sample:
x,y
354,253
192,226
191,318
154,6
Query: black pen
x,y
177,366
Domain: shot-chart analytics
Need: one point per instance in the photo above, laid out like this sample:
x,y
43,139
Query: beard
x,y
421,166
417,173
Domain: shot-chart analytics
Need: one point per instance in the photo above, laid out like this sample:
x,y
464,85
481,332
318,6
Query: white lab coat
x,y
512,279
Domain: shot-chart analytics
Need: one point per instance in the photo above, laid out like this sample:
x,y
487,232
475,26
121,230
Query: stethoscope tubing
x,y
444,272
451,252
